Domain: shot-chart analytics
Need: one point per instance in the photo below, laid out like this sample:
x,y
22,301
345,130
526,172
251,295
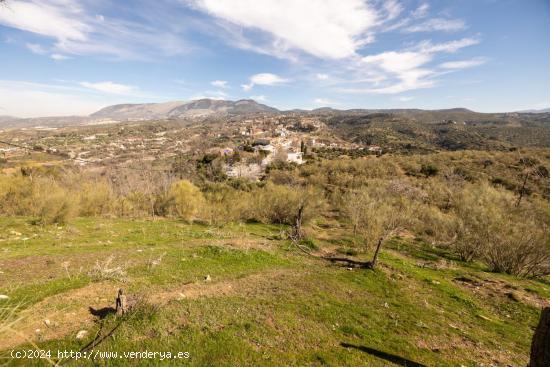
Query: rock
x,y
47,322
38,331
81,334
207,278
3,296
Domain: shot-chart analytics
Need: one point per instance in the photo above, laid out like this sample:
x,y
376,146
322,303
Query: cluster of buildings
x,y
256,141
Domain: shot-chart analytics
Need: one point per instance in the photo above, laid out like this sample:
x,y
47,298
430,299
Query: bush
x,y
95,199
509,239
186,199
53,204
281,204
15,195
429,170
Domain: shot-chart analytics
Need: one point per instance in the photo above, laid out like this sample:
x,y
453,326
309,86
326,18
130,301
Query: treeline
x,y
449,200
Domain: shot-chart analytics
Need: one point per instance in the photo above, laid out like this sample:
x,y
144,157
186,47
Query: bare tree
x,y
354,208
383,220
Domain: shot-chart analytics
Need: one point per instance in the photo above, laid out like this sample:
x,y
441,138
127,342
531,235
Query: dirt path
x,y
66,313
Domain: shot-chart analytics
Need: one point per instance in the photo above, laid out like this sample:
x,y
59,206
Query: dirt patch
x,y
69,312
456,345
59,315
47,267
491,288
224,288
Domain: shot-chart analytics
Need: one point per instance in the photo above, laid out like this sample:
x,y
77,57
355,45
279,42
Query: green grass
x,y
286,308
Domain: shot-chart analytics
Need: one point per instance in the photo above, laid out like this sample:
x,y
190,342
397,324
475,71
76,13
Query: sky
x,y
73,57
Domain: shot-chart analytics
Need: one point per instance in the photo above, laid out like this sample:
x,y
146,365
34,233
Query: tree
x,y
385,218
377,213
354,207
282,204
308,206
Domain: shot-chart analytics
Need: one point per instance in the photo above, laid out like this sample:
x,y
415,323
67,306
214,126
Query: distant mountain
x,y
4,118
178,109
53,121
132,111
546,110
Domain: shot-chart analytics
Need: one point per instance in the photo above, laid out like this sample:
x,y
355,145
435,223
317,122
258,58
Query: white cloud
x,y
392,8
322,101
421,11
451,46
219,83
36,48
438,24
260,98
109,87
209,94
405,99
401,71
264,79
463,64
59,57
247,87
330,29
321,76
398,62
59,19
267,79
75,29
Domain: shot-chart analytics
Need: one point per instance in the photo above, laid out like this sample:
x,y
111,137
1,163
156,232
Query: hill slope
x,y
175,109
266,303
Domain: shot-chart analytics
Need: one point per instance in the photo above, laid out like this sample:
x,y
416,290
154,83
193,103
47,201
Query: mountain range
x,y
179,109
203,108
545,110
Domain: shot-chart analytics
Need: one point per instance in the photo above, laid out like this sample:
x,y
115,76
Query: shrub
x,y
53,204
521,246
429,170
281,204
186,199
509,239
15,195
95,199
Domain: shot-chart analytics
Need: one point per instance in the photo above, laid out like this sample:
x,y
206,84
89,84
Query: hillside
x,y
264,302
442,130
177,109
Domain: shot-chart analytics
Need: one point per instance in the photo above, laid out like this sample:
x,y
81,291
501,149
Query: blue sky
x,y
63,57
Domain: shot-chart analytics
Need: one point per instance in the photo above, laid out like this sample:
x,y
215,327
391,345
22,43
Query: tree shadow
x,y
102,312
348,263
383,355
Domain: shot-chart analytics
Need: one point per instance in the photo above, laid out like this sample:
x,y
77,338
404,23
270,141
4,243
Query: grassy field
x,y
265,302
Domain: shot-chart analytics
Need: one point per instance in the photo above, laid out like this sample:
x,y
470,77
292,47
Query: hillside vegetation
x,y
265,302
437,259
